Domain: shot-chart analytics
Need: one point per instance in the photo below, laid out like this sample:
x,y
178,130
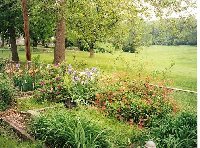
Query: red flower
x,y
103,108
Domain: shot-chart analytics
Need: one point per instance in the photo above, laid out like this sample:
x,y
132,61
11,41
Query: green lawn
x,y
150,60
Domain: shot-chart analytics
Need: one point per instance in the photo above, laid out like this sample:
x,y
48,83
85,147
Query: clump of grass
x,y
64,129
173,131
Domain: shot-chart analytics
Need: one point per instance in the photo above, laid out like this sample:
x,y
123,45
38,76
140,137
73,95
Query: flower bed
x,y
135,101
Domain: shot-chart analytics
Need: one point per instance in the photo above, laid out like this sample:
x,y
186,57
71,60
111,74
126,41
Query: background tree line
x,y
96,25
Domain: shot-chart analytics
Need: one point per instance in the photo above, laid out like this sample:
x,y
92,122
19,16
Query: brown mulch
x,y
15,117
17,121
27,94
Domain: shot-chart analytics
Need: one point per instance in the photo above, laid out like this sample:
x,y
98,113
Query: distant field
x,y
150,60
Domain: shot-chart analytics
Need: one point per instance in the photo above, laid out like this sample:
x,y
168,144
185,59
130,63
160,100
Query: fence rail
x,y
175,89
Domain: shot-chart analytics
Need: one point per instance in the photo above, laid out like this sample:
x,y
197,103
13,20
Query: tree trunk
x,y
91,50
26,30
12,33
43,43
91,53
35,43
59,52
2,41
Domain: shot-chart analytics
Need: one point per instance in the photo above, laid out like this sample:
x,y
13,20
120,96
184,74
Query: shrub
x,y
104,47
7,91
179,131
51,87
65,129
129,48
3,63
135,102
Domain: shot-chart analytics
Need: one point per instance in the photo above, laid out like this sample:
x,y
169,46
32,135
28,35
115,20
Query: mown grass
x,y
186,101
150,60
32,103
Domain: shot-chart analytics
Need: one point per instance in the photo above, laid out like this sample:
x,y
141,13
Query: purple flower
x,y
57,64
76,79
94,69
70,69
42,83
17,65
89,74
58,78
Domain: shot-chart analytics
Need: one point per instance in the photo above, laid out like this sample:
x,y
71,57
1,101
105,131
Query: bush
x,y
7,91
65,129
51,87
135,102
3,63
129,48
104,47
179,131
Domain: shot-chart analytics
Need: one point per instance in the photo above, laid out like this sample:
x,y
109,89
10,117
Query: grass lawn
x,y
154,60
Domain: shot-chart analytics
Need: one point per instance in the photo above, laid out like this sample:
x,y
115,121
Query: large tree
x,y
59,51
54,14
26,30
93,21
11,23
42,21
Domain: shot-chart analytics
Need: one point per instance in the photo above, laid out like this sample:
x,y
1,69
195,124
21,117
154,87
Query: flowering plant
x,y
82,85
135,101
51,87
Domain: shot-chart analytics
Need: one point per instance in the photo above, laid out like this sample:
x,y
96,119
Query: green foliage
x,y
178,131
61,83
65,129
136,101
11,16
42,16
82,85
7,91
9,139
24,81
179,31
97,20
51,87
2,65
104,47
129,48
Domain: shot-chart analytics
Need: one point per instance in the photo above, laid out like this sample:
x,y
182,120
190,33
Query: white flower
x,y
48,66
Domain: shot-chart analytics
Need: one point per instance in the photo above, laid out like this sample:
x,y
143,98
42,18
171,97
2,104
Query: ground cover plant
x,y
172,131
8,139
